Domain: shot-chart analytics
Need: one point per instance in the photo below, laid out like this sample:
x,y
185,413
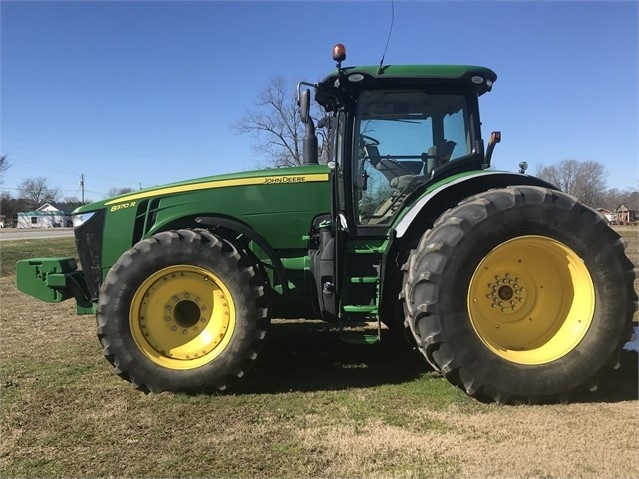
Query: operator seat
x,y
437,156
372,152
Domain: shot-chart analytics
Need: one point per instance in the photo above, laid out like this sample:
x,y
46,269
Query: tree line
x,y
35,192
587,181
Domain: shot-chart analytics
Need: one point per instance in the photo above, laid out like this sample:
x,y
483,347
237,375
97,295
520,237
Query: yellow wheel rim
x,y
531,300
182,317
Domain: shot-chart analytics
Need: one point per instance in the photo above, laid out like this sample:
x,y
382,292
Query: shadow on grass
x,y
307,356
618,385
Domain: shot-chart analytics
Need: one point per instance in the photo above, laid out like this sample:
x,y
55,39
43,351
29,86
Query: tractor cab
x,y
392,132
394,129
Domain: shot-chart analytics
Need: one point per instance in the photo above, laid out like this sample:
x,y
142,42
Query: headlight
x,y
79,220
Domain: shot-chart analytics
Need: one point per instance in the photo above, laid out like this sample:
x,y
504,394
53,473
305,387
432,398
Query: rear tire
x,y
183,311
520,292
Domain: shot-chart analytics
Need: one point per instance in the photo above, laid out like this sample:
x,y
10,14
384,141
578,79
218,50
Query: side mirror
x,y
305,106
309,142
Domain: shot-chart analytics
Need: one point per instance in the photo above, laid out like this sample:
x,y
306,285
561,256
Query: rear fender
x,y
421,216
423,213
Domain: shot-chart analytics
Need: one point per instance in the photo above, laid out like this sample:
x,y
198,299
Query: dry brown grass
x,y
579,440
312,408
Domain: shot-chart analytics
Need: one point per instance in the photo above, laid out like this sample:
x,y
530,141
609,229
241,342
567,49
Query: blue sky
x,y
144,93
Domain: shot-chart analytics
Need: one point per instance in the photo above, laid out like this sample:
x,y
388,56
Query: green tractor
x,y
507,286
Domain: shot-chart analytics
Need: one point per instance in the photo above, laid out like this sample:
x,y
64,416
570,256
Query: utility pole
x,y
82,186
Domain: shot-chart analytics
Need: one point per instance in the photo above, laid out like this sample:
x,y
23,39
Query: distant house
x,y
625,215
47,216
610,216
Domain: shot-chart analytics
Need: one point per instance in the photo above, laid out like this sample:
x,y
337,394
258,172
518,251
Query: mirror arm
x,y
309,142
495,137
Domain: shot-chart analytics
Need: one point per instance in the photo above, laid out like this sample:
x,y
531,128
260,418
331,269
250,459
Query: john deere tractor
x,y
508,287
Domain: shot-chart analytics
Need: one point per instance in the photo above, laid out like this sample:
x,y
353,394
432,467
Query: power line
x,y
27,162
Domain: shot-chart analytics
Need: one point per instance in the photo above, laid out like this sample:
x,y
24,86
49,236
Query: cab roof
x,y
359,77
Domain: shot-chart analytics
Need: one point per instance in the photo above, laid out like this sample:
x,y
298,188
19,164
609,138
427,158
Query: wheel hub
x,y
182,317
506,293
186,313
531,300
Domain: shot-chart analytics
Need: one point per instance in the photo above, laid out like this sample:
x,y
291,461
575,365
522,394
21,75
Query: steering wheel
x,y
369,140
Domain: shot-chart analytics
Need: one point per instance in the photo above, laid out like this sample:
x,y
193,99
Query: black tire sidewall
x,y
214,255
584,235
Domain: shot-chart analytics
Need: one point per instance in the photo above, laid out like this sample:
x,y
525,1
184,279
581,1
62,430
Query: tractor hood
x,y
249,178
276,205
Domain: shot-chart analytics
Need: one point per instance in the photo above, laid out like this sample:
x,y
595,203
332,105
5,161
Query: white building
x,y
47,216
610,216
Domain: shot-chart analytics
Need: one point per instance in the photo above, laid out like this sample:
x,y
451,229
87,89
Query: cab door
x,y
329,232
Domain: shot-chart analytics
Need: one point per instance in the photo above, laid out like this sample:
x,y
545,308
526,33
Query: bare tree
x,y
37,192
584,179
276,125
118,191
70,203
615,197
10,207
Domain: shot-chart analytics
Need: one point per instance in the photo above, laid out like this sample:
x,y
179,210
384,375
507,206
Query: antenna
x,y
390,30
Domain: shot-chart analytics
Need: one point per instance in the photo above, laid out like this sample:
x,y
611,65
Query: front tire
x,y
520,292
183,311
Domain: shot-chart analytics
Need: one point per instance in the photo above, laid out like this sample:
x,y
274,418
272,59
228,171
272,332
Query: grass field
x,y
313,407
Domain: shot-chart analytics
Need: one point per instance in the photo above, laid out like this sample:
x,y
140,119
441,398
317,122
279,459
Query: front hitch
x,y
54,280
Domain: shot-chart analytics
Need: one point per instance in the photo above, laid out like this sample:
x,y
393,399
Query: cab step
x,y
366,332
356,337
352,308
364,279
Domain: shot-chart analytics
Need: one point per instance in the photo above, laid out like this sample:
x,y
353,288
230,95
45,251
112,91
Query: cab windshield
x,y
401,137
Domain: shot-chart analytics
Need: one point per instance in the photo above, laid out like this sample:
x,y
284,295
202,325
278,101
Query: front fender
x,y
245,230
